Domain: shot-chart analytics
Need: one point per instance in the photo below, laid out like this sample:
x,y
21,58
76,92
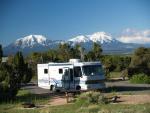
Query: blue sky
x,y
63,19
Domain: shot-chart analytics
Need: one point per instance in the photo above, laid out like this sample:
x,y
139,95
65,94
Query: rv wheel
x,y
52,88
78,87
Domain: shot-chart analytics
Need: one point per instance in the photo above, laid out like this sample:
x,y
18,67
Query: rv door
x,y
67,78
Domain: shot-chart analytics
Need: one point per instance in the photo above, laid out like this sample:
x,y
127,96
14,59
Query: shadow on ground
x,y
37,97
126,88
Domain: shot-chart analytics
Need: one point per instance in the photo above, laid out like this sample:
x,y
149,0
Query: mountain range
x,y
39,43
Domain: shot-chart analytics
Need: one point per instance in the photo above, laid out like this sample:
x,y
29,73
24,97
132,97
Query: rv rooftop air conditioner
x,y
74,60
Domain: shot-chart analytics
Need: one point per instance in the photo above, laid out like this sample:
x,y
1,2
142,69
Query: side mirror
x,y
80,74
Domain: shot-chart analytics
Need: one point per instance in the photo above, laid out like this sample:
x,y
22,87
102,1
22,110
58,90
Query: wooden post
x,y
67,98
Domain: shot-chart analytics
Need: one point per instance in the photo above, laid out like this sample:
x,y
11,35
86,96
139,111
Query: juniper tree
x,y
1,53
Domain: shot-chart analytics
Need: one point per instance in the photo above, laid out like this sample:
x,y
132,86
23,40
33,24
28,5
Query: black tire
x,y
78,87
58,91
52,88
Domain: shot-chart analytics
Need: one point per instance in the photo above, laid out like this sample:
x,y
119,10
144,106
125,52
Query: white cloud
x,y
134,36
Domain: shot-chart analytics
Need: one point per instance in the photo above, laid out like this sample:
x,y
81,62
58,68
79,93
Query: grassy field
x,y
114,74
80,106
22,96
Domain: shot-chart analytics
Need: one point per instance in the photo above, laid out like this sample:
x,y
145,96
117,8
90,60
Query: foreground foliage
x,y
82,105
140,62
92,98
12,75
140,79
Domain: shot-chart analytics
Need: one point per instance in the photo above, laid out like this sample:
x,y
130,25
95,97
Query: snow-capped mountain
x,y
101,37
79,39
32,40
98,37
31,43
108,43
39,43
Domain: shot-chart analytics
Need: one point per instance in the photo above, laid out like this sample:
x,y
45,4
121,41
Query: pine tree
x,y
8,82
12,75
95,53
64,51
22,71
97,50
140,62
19,65
1,53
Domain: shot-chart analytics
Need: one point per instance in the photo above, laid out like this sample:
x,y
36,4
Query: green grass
x,y
23,96
140,79
26,96
80,106
115,74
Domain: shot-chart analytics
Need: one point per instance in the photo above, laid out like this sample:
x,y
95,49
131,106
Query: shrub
x,y
140,79
92,97
11,77
140,61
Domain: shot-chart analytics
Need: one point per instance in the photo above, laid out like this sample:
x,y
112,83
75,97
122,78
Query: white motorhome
x,y
73,75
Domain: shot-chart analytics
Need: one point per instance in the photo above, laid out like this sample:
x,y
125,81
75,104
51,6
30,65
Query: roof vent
x,y
74,60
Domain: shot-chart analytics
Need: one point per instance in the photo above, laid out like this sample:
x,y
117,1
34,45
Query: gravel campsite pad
x,y
133,99
59,100
123,99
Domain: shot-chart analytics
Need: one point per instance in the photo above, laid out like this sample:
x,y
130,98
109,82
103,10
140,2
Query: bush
x,y
140,79
140,62
92,97
7,84
11,77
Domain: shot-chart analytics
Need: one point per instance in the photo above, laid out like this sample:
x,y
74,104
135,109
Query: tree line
x,y
138,62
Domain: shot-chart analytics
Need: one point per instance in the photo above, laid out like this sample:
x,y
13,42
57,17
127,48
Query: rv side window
x,y
45,71
60,71
77,72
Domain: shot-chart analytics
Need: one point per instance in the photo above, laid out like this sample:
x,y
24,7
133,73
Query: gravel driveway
x,y
112,85
125,86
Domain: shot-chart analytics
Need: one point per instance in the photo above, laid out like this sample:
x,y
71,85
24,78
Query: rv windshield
x,y
92,70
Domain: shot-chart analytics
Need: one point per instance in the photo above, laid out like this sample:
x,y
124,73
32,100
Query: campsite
x,y
122,93
74,56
